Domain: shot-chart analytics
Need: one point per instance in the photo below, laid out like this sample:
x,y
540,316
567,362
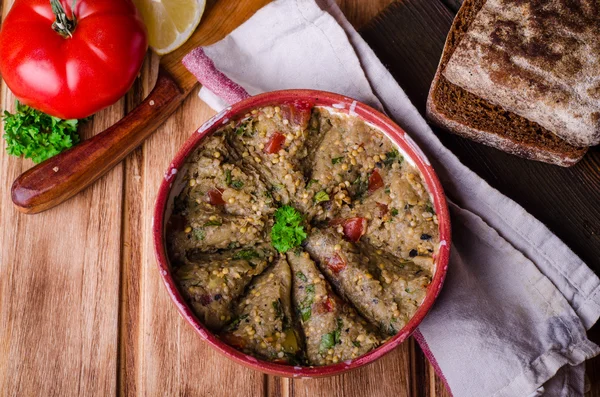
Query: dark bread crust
x,y
468,115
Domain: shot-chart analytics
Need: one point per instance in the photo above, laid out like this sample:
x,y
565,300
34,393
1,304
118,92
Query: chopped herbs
x,y
362,186
392,156
394,212
311,182
429,208
306,305
337,160
246,254
321,196
213,223
301,276
288,230
236,323
243,130
327,342
331,339
199,233
237,184
36,135
356,343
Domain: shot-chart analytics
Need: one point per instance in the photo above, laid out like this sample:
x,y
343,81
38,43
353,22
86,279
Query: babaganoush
x,y
302,235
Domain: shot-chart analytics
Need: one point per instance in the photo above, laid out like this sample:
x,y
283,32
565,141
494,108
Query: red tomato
x,y
73,73
215,197
275,143
205,299
383,208
297,112
336,263
354,228
375,181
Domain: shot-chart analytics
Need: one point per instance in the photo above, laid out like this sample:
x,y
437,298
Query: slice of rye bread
x,y
468,115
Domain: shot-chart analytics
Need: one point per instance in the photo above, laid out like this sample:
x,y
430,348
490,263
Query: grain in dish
x,y
354,196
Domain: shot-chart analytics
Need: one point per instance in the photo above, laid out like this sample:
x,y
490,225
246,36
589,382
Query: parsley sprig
x,y
288,230
36,135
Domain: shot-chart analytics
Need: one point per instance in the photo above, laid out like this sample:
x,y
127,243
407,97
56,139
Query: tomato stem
x,y
63,25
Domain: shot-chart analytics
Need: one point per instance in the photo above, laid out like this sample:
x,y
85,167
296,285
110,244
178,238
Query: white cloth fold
x,y
512,317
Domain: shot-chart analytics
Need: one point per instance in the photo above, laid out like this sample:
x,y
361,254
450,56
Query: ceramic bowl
x,y
168,191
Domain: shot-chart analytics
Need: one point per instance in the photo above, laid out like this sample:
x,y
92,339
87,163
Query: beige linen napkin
x,y
512,317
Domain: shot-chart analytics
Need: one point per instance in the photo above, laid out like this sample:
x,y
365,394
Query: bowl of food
x,y
302,233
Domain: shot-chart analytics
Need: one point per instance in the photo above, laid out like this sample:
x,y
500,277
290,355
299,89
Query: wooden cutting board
x,y
82,307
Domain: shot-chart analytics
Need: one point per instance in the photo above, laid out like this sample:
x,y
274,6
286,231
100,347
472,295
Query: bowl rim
x,y
342,104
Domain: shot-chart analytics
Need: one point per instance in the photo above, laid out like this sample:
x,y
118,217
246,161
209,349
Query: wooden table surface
x,y
84,312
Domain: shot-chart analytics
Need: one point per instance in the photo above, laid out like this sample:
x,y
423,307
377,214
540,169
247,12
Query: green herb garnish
x,y
311,182
246,254
356,343
288,230
213,223
237,184
392,156
394,212
321,196
306,305
235,323
337,160
36,135
199,233
331,339
301,276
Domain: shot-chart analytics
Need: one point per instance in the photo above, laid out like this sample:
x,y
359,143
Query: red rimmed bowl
x,y
167,192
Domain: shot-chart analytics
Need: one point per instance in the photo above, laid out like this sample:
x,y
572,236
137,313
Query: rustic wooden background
x,y
83,310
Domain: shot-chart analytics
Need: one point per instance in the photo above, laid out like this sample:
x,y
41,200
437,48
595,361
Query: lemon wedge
x,y
170,22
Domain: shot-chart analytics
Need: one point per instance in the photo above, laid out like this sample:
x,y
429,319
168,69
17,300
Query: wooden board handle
x,y
64,175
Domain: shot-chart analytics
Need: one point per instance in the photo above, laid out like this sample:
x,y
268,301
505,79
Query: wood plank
x,y
360,12
388,376
541,188
59,284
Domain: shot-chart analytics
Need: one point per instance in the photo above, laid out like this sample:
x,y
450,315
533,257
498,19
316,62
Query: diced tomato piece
x,y
354,228
297,112
375,181
275,143
215,197
233,340
205,299
336,263
383,208
327,304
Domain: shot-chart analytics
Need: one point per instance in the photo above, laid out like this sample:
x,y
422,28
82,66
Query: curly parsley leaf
x,y
36,135
288,230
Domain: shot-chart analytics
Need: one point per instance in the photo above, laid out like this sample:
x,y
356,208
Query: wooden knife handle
x,y
64,175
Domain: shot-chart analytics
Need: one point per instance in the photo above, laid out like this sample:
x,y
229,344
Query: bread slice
x,y
468,115
540,60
